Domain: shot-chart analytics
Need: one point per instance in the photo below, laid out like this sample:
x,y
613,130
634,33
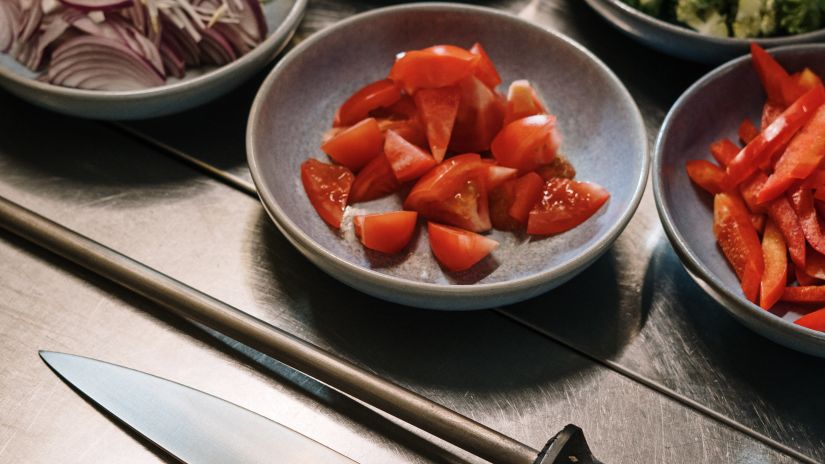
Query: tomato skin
x,y
564,204
497,175
527,143
436,66
522,101
485,69
375,180
378,94
357,145
501,198
557,167
814,320
456,249
775,276
739,242
386,232
437,109
528,191
408,161
706,175
327,187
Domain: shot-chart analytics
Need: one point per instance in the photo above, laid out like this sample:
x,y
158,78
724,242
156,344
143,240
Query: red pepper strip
x,y
814,320
815,180
804,153
771,73
750,189
814,265
775,254
806,294
723,151
770,112
819,193
739,241
803,202
747,131
758,221
706,175
803,278
782,213
775,135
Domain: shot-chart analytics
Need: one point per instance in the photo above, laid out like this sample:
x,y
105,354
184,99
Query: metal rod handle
x,y
196,306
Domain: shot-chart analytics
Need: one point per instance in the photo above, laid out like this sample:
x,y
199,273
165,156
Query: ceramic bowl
x,y
197,87
682,41
604,138
709,110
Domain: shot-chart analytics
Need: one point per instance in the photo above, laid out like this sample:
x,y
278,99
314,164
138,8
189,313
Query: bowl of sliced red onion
x,y
135,59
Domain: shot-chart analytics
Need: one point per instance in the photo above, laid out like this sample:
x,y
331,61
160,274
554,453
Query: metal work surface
x,y
622,362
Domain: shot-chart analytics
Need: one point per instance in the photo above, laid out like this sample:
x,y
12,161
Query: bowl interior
x,y
603,134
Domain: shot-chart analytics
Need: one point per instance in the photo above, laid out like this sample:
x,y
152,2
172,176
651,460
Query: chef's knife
x,y
192,426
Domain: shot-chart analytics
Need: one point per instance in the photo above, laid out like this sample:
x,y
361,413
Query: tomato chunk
x,y
558,167
747,131
775,276
485,69
527,143
407,160
457,249
327,187
479,118
378,94
814,320
564,204
528,191
739,242
522,101
386,232
357,145
501,199
436,66
410,129
724,151
706,175
497,175
375,180
437,109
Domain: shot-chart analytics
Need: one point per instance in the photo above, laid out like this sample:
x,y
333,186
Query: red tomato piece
x,y
327,187
770,112
739,242
375,180
564,204
378,94
804,294
528,192
783,215
457,249
724,151
479,118
522,101
747,131
485,69
454,193
386,232
814,320
497,175
437,109
410,129
771,73
803,203
433,67
804,153
527,143
357,145
501,198
558,167
775,276
706,175
408,161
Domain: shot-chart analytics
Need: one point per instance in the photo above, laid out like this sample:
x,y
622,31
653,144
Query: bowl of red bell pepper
x,y
739,181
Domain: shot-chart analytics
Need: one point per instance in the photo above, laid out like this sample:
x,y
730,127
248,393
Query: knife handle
x,y
568,447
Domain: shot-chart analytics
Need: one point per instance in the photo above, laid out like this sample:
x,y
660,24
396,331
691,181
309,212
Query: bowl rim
x,y
689,33
743,308
289,228
260,51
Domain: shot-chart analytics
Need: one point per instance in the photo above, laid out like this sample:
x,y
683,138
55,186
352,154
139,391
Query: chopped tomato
x,y
739,241
327,187
814,320
410,129
747,131
564,204
457,249
558,167
408,161
375,180
386,232
706,175
522,101
378,94
775,276
771,73
437,109
404,108
357,145
454,193
724,151
527,143
479,117
528,191
497,175
485,69
501,198
783,215
437,66
812,227
770,112
804,294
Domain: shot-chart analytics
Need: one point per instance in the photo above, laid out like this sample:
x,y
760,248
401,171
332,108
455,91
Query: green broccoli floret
x,y
754,18
705,16
651,7
798,16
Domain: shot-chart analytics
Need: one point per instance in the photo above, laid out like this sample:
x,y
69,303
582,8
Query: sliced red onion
x,y
54,26
80,60
9,24
32,16
97,5
184,42
117,28
173,61
252,19
235,37
216,48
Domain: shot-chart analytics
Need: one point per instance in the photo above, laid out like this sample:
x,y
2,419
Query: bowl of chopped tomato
x,y
412,154
739,181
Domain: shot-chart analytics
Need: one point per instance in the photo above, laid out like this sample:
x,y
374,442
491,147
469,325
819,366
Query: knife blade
x,y
192,426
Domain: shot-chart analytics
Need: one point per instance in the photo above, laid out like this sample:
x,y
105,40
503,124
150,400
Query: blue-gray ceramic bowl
x,y
709,110
197,87
682,41
603,130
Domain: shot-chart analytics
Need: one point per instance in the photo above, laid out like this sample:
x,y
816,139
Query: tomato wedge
x,y
436,66
527,143
814,320
479,118
378,94
408,161
501,199
485,69
723,151
528,191
357,145
706,175
375,180
327,187
522,101
386,232
775,276
456,249
747,131
497,175
558,167
564,204
410,129
437,109
739,242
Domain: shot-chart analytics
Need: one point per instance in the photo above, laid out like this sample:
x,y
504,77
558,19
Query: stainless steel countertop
x,y
649,366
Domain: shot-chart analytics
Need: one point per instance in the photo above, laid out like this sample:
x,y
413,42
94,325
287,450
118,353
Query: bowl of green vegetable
x,y
714,31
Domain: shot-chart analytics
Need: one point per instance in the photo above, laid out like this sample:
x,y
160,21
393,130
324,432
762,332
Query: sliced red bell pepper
x,y
803,278
815,180
775,254
804,294
775,136
758,221
797,84
723,151
770,112
771,73
814,265
706,175
814,320
804,153
750,189
747,131
782,213
803,203
739,241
